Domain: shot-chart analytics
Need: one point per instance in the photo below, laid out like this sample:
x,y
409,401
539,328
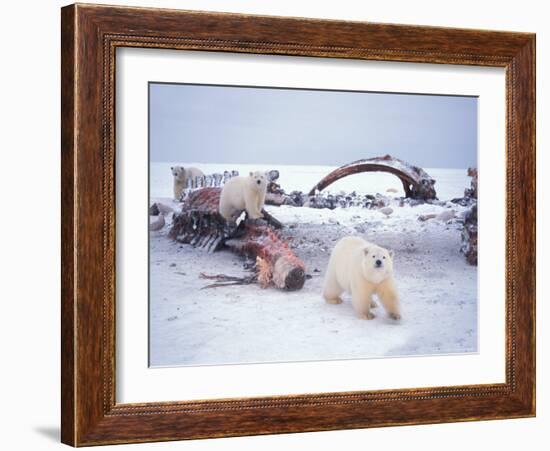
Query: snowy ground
x,y
246,324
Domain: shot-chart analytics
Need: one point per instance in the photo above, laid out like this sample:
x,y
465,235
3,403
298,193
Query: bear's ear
x,y
251,174
366,250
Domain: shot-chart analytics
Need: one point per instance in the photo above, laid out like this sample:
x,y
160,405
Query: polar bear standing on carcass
x,y
181,177
361,269
244,193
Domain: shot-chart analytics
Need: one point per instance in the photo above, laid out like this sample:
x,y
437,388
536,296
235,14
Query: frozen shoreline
x,y
245,324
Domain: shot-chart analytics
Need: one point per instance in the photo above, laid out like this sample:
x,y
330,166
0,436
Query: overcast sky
x,y
217,124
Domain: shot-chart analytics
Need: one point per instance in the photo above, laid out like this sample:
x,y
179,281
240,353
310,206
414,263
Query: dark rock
x,y
469,236
415,202
472,191
154,210
463,201
272,175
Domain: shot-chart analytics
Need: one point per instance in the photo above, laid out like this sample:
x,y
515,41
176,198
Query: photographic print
x,y
290,225
311,192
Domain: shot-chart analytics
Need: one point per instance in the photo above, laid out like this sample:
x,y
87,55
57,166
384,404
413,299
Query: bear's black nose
x,y
378,262
259,182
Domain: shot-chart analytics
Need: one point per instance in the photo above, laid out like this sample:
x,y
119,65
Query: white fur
x,y
181,176
244,193
352,268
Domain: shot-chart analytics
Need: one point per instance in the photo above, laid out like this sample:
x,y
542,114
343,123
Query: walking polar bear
x,y
181,176
361,269
244,193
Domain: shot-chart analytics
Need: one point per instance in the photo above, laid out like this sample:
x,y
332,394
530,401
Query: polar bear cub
x,y
361,269
244,193
181,176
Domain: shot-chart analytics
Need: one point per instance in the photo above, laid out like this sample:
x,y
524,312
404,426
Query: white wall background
x,y
29,247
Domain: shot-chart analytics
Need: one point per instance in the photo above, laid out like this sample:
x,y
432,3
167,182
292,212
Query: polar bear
x,y
244,193
361,269
181,176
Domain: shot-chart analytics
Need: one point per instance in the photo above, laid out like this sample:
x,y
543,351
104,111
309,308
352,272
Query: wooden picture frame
x,y
90,35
